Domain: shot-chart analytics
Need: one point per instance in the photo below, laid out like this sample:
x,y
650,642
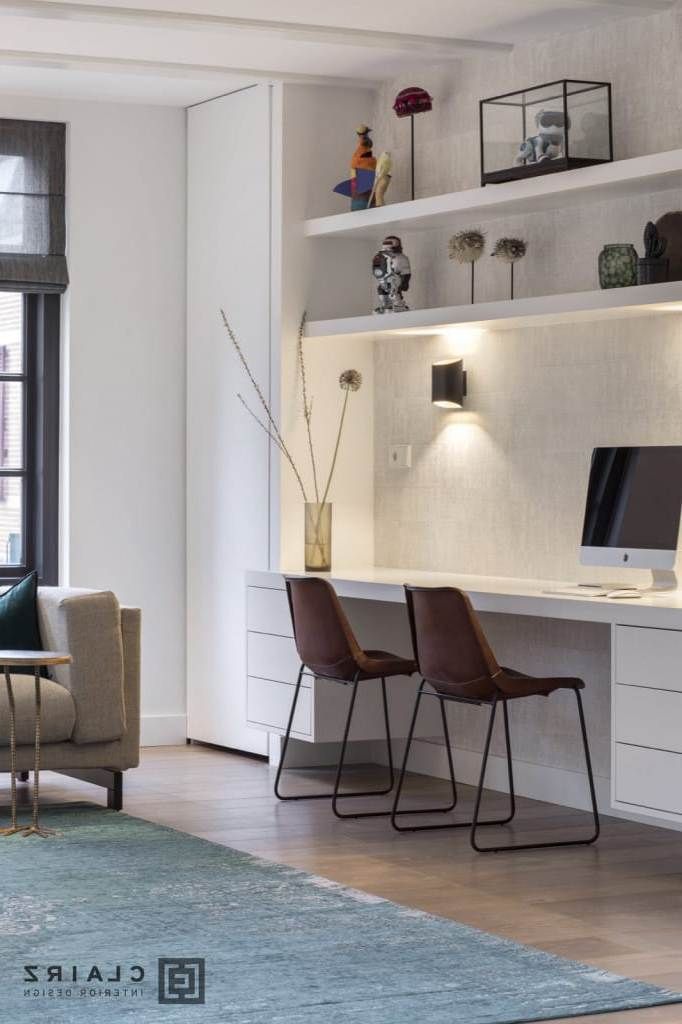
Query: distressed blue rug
x,y
119,919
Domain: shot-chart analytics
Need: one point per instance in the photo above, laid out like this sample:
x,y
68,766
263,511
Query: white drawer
x,y
649,718
268,705
273,657
268,611
649,657
649,778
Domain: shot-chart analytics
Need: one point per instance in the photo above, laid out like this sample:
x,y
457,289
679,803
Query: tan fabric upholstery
x,y
116,754
58,711
87,624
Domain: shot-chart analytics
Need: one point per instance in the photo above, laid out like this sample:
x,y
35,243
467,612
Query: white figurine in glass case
x,y
549,143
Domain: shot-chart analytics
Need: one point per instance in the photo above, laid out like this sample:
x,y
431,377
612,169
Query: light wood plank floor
x,y
617,905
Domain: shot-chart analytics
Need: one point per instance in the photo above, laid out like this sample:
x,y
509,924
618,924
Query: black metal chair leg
x,y
534,846
283,752
339,771
434,810
334,795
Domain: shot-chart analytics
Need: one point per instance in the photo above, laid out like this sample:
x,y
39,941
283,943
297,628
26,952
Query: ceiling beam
x,y
170,69
428,46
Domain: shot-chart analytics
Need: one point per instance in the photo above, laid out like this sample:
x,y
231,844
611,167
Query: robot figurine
x,y
392,272
550,141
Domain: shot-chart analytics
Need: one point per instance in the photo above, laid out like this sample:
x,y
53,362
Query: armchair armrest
x,y
87,624
131,634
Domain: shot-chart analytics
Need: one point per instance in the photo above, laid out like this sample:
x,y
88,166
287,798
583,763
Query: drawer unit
x,y
268,705
650,779
649,657
272,657
648,718
268,611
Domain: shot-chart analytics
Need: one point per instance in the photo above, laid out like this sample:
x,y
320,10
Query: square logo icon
x,y
182,981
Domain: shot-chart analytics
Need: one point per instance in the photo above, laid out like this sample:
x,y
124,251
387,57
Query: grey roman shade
x,y
32,206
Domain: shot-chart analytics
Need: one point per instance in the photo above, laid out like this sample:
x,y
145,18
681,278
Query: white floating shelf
x,y
613,303
642,174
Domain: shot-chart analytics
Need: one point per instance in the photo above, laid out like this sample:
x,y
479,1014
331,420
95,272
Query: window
x,y
29,435
33,274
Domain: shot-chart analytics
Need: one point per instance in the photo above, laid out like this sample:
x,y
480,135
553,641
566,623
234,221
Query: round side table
x,y
35,660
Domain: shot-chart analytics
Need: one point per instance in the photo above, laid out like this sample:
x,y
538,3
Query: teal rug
x,y
117,913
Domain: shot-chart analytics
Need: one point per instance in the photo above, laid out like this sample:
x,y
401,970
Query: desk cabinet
x,y
647,721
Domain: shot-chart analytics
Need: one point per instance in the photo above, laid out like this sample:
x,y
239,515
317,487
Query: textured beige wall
x,y
499,489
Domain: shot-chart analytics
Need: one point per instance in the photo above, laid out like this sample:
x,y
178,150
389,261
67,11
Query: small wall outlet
x,y
400,456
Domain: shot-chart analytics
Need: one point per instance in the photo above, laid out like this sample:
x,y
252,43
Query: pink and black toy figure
x,y
392,273
408,102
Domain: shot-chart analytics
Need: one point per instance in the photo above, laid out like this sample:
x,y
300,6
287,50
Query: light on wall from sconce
x,y
448,384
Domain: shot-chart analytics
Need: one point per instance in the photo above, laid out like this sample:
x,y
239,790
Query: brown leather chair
x,y
457,664
328,648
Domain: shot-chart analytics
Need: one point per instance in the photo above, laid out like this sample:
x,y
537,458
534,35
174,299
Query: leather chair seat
x,y
517,684
58,713
382,663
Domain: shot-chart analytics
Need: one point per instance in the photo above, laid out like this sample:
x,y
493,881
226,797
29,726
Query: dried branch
x,y
273,438
307,404
273,429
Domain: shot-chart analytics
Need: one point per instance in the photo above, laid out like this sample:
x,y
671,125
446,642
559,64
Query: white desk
x,y
646,671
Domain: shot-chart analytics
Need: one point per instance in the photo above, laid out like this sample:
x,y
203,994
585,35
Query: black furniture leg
x,y
334,795
535,846
444,810
379,792
115,793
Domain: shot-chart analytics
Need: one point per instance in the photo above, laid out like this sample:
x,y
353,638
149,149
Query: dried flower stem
x,y
274,438
307,405
336,448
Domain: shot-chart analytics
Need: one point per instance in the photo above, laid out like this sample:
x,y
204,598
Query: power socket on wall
x,y
400,456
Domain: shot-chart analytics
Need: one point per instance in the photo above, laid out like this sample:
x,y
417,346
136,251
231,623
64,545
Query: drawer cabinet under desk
x,y
647,721
272,669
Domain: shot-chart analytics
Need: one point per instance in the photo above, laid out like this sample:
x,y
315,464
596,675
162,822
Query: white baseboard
x,y
163,730
539,782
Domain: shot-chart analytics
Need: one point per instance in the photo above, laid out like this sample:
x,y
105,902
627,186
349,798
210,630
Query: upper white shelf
x,y
614,303
641,174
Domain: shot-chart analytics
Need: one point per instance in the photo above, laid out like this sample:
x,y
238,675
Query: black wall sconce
x,y
448,384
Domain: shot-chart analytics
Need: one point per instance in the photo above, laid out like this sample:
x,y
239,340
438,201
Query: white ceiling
x,y
181,51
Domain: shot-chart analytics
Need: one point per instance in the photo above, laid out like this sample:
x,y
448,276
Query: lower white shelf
x,y
613,303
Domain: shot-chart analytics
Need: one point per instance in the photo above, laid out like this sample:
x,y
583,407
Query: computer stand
x,y
663,580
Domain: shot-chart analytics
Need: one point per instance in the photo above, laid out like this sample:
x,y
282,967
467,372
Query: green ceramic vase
x,y
618,265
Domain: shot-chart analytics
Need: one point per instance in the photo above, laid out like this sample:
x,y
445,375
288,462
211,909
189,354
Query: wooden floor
x,y
617,905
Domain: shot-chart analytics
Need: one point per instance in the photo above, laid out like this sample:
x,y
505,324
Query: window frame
x,y
40,471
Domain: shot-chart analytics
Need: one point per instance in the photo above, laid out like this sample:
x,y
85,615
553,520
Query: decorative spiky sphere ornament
x,y
466,246
509,250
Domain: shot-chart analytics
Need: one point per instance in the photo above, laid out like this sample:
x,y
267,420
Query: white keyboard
x,y
577,592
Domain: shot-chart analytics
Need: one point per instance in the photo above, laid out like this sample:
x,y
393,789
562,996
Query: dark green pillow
x,y
19,620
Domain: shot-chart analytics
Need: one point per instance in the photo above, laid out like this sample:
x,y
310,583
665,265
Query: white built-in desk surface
x,y
499,594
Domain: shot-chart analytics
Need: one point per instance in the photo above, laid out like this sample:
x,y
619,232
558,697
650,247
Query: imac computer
x,y
632,513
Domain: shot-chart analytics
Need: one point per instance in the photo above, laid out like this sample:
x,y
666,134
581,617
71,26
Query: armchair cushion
x,y
87,624
58,711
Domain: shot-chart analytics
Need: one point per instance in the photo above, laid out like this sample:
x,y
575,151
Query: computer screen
x,y
634,498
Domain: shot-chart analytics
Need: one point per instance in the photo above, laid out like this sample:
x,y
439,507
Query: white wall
x,y
123,480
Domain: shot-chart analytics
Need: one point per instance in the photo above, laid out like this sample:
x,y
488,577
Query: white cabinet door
x,y
229,266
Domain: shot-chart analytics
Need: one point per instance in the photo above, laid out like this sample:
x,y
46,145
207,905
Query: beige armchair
x,y
90,709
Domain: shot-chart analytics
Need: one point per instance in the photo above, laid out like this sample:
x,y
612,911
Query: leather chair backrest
x,y
324,639
450,647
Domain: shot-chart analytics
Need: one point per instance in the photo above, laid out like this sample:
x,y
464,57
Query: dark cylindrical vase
x,y
652,270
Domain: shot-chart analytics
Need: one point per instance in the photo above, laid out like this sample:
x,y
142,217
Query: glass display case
x,y
552,127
